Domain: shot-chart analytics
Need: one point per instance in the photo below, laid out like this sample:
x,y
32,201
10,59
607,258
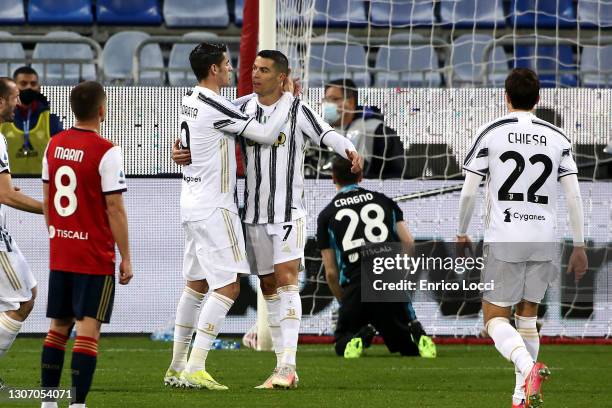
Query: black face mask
x,y
27,96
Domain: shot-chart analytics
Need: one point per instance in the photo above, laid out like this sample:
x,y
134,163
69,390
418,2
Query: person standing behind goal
x,y
521,158
83,182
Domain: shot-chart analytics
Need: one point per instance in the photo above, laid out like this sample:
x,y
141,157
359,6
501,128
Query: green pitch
x,y
130,371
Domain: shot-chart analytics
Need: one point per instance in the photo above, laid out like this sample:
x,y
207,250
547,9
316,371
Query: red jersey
x,y
81,167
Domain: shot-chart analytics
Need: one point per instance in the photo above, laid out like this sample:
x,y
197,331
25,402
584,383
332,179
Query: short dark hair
x,y
349,89
523,88
5,88
205,55
281,63
86,98
341,169
25,70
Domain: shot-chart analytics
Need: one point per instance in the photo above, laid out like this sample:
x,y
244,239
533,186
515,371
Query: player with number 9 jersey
x,y
81,167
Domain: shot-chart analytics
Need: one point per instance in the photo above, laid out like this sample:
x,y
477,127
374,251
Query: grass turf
x,y
130,371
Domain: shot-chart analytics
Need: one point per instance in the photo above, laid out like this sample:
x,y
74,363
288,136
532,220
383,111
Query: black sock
x,y
52,359
84,358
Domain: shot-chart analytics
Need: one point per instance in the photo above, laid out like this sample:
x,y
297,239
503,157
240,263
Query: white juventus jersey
x,y
522,158
4,167
209,124
274,191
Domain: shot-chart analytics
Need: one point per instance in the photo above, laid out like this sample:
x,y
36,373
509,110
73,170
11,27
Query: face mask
x,y
27,96
330,112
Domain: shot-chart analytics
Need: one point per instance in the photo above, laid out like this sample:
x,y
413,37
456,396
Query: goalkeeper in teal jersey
x,y
358,322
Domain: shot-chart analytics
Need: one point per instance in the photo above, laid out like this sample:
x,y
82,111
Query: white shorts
x,y
515,281
214,249
16,279
272,244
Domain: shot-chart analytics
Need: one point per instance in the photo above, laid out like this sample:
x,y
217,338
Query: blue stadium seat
x,y
407,65
118,54
337,59
402,13
196,13
466,60
467,13
554,64
12,12
545,14
179,59
10,51
60,12
59,73
596,66
334,13
595,13
238,11
142,12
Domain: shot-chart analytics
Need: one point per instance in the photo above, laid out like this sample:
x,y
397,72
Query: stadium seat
x,y
594,63
338,59
51,73
554,64
333,13
470,13
467,53
402,13
117,59
60,12
238,11
142,12
595,13
407,65
196,13
12,12
179,59
10,51
545,14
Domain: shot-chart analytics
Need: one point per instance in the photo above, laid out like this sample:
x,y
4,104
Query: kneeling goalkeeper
x,y
346,224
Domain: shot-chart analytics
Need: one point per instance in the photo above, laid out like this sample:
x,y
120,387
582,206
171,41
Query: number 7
x,y
288,229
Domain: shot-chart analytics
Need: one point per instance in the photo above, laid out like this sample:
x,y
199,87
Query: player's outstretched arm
x,y
405,237
117,219
331,273
268,133
578,263
15,198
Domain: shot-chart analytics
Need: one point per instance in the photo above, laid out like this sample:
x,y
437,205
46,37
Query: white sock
x,y
77,406
187,313
9,328
49,404
211,317
510,344
527,328
273,303
290,317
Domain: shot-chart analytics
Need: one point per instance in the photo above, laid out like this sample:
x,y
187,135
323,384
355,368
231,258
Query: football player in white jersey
x,y
214,244
17,284
274,212
522,158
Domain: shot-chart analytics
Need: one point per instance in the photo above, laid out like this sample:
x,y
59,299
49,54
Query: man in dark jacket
x,y
379,144
28,135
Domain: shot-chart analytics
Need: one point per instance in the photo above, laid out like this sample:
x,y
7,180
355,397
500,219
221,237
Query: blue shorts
x,y
79,295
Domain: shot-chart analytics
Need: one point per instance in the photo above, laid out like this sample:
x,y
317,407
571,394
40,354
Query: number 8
x,y
64,190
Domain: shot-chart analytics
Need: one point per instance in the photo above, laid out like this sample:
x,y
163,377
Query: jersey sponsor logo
x,y
121,177
508,216
68,234
189,111
527,138
64,153
361,198
189,179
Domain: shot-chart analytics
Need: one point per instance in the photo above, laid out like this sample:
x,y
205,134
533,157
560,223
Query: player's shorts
x,y
272,244
16,279
515,281
214,249
79,295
